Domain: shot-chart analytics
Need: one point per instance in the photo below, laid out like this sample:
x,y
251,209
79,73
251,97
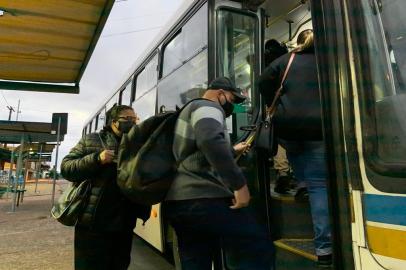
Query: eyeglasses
x,y
129,118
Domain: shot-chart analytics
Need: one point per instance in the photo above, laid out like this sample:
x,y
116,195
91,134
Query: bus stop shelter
x,y
46,45
36,153
33,138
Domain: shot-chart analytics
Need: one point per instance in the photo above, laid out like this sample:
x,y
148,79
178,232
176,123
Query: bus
x,y
361,60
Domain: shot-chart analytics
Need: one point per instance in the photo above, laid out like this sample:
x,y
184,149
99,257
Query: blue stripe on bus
x,y
385,209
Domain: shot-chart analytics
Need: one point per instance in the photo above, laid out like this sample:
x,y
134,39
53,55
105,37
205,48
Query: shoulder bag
x,y
71,203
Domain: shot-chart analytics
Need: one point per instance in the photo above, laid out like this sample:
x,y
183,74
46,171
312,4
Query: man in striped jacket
x,y
207,202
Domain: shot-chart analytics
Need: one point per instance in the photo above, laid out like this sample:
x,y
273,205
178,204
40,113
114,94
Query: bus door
x,y
379,44
237,49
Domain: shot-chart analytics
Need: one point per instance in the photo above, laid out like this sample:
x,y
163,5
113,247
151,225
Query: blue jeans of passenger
x,y
309,162
204,225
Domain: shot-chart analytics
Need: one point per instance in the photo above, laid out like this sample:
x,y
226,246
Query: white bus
x,y
361,61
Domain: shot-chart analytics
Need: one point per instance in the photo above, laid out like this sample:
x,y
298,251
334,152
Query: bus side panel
x,y
151,231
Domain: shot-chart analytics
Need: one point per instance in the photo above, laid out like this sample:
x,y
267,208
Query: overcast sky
x,y
132,25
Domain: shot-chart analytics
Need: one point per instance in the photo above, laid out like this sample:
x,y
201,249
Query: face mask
x,y
125,126
228,107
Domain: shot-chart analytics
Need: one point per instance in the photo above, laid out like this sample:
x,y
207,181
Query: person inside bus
x,y
103,235
299,125
207,202
284,177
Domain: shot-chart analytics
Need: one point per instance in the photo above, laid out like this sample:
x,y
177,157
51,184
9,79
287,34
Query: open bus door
x,y
237,49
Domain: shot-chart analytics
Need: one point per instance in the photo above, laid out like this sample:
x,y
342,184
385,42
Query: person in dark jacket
x,y
299,129
103,235
207,202
284,179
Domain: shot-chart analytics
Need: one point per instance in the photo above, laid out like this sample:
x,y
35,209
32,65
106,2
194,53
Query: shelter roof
x,y
12,131
46,45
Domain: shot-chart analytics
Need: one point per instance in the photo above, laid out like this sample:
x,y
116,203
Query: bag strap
x,y
102,143
270,111
187,103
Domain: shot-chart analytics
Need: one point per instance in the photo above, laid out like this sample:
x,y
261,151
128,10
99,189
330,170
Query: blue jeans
x,y
309,162
203,226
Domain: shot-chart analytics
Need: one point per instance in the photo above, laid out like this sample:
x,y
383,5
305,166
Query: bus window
x,y
126,94
101,119
384,96
187,43
189,81
147,78
236,50
186,83
145,106
112,101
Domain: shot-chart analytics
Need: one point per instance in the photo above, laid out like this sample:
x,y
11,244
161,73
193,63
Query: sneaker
x,y
302,195
325,261
282,185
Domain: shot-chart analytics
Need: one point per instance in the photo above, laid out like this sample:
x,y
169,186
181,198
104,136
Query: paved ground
x,y
31,239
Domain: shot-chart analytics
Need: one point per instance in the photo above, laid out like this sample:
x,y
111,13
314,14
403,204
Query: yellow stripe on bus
x,y
387,242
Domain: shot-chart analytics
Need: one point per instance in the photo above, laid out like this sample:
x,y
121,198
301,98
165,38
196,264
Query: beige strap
x,y
270,111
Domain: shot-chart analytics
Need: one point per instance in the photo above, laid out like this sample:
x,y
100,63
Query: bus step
x,y
295,254
290,219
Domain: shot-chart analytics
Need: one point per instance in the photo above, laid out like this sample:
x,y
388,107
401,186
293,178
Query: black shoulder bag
x,y
73,200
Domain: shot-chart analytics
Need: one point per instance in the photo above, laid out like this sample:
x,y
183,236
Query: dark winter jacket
x,y
107,209
299,112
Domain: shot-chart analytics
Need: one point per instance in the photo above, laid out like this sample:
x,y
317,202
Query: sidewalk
x,y
30,238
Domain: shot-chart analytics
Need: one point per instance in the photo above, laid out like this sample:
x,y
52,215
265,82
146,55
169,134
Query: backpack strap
x,y
270,111
190,101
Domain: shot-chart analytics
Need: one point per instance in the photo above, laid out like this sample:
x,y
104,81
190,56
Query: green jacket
x,y
107,209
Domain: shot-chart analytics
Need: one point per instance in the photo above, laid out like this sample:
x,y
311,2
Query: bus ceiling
x,y
284,18
46,47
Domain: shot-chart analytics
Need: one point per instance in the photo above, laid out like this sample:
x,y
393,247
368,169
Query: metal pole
x,y
38,168
19,163
11,109
25,177
56,160
10,173
18,110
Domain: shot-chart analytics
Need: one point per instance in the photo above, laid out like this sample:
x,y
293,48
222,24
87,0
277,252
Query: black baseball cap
x,y
227,85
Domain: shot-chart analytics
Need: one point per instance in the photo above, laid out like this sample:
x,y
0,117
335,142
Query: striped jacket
x,y
202,149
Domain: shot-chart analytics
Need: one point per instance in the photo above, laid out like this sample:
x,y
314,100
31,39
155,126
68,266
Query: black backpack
x,y
146,165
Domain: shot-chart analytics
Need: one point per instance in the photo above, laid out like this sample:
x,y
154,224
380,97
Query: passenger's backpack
x,y
146,164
